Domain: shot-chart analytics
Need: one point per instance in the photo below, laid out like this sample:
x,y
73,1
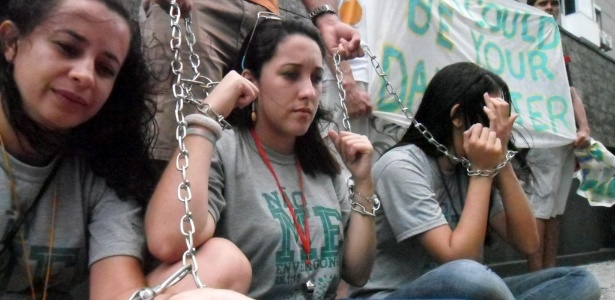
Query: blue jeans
x,y
460,279
467,279
555,283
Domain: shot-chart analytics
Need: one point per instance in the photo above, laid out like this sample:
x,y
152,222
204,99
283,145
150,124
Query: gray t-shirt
x,y
248,209
414,201
91,223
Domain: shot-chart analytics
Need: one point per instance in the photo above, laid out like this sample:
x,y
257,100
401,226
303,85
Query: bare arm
x,y
484,150
115,277
165,211
118,277
360,244
516,224
580,117
466,241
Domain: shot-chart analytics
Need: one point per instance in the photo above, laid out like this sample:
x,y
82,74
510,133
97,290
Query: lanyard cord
x,y
304,234
448,192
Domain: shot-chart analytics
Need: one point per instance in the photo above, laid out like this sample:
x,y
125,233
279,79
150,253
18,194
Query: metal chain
x,y
180,92
150,293
420,127
358,207
339,76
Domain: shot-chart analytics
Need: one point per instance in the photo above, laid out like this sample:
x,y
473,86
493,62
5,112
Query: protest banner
x,y
413,39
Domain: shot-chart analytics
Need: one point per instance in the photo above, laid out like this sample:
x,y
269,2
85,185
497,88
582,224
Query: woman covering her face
x,y
271,185
438,210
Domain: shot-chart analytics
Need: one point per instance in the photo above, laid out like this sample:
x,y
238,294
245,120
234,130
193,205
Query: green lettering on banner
x,y
537,61
479,22
463,8
390,55
488,62
419,83
413,7
331,225
525,34
511,32
557,109
542,36
515,98
443,30
535,116
493,27
477,40
511,66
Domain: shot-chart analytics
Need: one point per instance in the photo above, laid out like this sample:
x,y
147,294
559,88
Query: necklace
x,y
14,200
304,234
448,192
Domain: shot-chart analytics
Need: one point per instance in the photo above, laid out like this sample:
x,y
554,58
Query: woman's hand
x,y
482,147
233,91
500,120
356,152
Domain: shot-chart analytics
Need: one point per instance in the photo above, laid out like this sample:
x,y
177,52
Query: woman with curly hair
x,y
75,134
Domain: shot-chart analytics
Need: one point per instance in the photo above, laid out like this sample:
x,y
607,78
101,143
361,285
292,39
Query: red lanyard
x,y
304,234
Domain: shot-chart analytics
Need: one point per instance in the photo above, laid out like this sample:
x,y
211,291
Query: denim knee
x,y
460,279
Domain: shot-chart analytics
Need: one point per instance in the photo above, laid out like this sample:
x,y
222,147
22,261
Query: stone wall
x,y
593,75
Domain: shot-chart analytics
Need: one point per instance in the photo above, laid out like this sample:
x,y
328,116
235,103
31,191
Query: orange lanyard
x,y
304,234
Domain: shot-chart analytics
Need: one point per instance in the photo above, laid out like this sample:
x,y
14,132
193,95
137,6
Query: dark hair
x,y
312,152
115,142
462,83
531,2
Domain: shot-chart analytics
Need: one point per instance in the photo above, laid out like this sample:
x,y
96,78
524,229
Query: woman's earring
x,y
253,114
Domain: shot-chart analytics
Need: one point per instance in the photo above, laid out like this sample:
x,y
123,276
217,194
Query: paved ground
x,y
605,272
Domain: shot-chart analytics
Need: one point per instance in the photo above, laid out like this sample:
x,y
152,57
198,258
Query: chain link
x,y
358,207
420,127
181,89
147,293
339,76
181,93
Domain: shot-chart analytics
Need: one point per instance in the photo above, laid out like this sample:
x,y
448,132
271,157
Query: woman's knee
x,y
583,282
472,280
223,265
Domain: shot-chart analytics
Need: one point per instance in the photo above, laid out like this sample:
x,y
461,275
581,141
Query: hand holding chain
x,y
356,206
423,130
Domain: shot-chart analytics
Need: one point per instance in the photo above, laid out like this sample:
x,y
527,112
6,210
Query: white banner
x,y
413,39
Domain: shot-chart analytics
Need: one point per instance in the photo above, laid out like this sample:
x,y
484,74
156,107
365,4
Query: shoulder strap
x,y
22,217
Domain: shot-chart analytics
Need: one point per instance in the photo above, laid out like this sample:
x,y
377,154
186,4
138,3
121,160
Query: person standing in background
x,y
356,78
552,170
